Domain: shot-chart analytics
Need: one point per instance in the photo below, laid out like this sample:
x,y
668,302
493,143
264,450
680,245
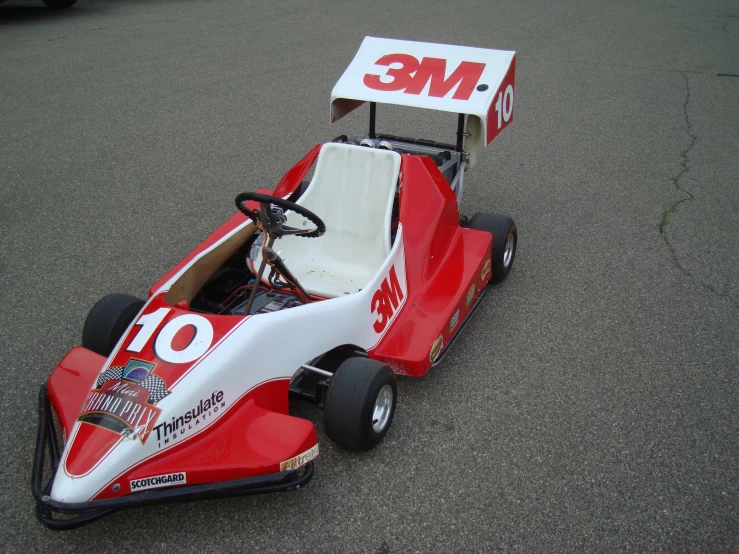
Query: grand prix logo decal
x,y
124,400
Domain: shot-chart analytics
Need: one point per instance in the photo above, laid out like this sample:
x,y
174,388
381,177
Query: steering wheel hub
x,y
272,219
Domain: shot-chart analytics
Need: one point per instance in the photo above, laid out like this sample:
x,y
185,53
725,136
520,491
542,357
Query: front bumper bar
x,y
85,512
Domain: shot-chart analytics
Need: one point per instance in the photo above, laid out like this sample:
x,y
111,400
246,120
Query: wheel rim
x,y
509,247
383,407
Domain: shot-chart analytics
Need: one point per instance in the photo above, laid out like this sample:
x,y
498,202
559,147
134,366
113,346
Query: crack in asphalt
x,y
684,162
665,221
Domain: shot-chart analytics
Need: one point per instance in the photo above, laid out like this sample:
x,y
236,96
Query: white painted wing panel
x,y
458,79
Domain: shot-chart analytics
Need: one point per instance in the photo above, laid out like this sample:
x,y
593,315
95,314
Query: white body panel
x,y
352,88
260,348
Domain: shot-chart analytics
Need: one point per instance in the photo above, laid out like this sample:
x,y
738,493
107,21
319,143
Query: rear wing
x,y
473,82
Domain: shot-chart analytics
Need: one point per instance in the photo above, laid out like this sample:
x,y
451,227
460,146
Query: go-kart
x,y
323,289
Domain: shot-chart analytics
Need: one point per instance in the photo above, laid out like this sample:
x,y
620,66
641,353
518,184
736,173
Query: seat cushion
x,y
352,191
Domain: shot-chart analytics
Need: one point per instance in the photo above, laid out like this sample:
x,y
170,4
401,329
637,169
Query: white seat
x,y
352,191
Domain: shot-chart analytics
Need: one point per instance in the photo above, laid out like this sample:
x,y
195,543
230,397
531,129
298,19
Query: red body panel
x,y
70,383
446,267
443,262
253,438
294,177
131,404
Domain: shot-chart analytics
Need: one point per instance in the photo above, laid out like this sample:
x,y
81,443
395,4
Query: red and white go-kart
x,y
322,289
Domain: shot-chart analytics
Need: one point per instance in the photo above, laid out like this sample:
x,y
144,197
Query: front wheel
x,y
108,320
360,403
505,241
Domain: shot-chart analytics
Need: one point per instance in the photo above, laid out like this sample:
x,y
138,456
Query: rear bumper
x,y
80,513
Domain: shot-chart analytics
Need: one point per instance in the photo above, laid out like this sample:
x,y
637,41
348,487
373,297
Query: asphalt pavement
x,y
591,405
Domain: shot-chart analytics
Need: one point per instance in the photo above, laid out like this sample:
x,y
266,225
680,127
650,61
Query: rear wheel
x,y
505,241
108,320
360,403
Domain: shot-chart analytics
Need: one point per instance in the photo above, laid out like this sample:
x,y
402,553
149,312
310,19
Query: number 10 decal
x,y
506,99
202,336
500,110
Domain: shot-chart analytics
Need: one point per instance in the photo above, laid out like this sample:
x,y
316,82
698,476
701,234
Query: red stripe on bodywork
x,y
89,447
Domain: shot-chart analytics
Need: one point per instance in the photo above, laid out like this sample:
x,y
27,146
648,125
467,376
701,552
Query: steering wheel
x,y
271,215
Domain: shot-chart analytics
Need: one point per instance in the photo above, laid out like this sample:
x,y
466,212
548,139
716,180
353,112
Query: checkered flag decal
x,y
156,387
115,372
153,383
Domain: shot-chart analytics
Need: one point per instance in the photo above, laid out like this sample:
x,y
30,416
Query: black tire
x,y
350,402
108,320
59,4
501,227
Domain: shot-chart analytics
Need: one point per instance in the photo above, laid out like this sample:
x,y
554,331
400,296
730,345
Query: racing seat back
x,y
352,191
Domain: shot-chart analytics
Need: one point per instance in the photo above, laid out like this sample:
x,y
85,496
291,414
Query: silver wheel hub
x,y
383,408
510,245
